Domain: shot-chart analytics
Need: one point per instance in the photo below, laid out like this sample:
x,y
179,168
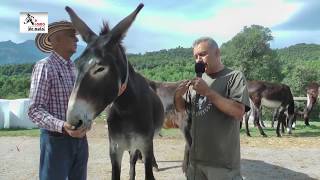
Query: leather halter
x,y
123,86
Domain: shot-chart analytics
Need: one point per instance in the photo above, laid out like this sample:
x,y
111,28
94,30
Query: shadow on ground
x,y
256,169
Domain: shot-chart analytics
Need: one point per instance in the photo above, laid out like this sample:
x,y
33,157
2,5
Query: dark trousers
x,y
62,157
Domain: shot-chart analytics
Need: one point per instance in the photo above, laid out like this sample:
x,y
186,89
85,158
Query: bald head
x,y
211,43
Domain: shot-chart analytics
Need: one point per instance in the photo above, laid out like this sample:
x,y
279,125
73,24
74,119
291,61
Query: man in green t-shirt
x,y
215,149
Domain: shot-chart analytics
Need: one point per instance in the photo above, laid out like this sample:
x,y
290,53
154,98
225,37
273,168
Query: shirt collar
x,y
60,59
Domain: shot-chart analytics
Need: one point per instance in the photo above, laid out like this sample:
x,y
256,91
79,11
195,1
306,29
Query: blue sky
x,y
164,24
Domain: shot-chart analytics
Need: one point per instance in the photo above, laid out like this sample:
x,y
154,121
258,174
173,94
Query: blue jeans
x,y
62,157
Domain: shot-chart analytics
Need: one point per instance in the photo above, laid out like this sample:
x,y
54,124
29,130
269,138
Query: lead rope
x,y
188,105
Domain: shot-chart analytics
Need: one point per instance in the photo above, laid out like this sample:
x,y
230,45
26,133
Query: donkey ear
x,y
86,33
119,31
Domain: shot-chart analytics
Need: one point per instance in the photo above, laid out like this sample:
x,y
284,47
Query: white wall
x,y
13,114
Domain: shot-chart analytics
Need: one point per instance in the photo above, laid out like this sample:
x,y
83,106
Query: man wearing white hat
x,y
64,150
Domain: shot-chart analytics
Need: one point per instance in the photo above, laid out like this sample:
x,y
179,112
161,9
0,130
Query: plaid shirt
x,y
51,85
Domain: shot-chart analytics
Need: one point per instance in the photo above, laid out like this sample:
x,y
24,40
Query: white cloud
x,y
162,27
225,22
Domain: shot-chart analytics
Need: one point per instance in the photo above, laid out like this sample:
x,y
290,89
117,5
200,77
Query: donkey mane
x,y
105,28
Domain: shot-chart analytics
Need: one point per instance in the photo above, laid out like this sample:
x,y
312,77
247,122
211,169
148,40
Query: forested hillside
x,y
165,65
24,53
249,51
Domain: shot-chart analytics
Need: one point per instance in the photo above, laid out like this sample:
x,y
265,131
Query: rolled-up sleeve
x,y
39,96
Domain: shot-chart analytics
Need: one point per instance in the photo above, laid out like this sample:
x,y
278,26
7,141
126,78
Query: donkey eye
x,y
99,70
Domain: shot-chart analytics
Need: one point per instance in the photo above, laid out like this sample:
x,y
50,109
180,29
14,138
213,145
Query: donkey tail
x,y
291,102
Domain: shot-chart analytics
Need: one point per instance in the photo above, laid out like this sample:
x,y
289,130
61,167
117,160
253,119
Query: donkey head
x,y
312,92
102,69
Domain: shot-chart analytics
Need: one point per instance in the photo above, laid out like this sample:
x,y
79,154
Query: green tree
x,y
301,74
249,51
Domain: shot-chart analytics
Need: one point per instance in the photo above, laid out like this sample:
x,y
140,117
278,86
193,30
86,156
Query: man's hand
x,y
200,86
182,88
78,133
179,102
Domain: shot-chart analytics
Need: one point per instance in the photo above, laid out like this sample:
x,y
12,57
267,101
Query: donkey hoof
x,y
278,135
248,134
264,135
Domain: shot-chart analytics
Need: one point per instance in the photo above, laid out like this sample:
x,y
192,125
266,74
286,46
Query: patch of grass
x,y
101,117
171,133
301,130
19,132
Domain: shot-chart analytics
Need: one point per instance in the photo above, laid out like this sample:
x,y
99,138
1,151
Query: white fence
x,y
13,114
300,98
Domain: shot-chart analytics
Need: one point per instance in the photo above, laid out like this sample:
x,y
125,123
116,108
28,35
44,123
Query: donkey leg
x,y
280,123
247,125
306,113
281,120
257,123
134,155
306,119
294,121
154,161
261,121
282,126
274,117
278,129
257,119
260,129
116,154
147,155
291,119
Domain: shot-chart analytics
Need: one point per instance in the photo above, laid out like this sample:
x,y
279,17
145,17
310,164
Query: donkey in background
x,y
271,95
312,96
105,77
312,91
173,119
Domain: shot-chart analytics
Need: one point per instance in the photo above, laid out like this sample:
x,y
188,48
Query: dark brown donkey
x,y
312,96
271,95
106,77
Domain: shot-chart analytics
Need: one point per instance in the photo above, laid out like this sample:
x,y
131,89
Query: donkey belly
x,y
131,143
270,103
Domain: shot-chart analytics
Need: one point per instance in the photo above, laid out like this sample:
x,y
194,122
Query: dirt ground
x,y
291,158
